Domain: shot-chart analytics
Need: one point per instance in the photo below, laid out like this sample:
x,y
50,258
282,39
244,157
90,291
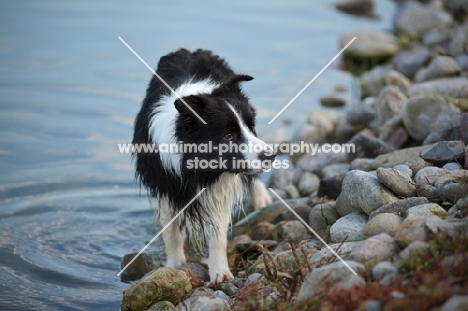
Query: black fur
x,y
178,68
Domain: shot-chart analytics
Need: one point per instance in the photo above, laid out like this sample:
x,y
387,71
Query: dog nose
x,y
267,154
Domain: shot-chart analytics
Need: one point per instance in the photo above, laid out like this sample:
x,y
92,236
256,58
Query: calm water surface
x,y
69,90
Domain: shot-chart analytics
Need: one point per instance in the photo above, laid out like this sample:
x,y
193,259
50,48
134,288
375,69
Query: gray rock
x,y
437,36
427,210
292,229
414,247
332,101
322,217
335,169
394,180
280,179
302,211
412,229
452,192
348,228
408,62
419,112
262,231
308,183
456,302
434,224
314,164
372,305
462,62
399,207
161,284
445,87
139,267
162,306
373,250
439,67
404,169
369,45
356,7
319,279
390,126
221,294
228,288
325,255
456,6
452,166
363,191
444,152
459,42
373,81
385,222
360,116
390,104
438,177
447,134
398,138
417,163
199,269
203,303
367,147
415,19
202,291
382,269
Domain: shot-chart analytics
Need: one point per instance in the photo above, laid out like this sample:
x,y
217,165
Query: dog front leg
x,y
173,239
217,261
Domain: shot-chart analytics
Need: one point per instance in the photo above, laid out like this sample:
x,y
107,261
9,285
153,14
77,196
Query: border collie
x,y
208,89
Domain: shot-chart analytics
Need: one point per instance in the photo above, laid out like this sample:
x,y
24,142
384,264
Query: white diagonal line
x,y
313,79
161,79
312,230
160,232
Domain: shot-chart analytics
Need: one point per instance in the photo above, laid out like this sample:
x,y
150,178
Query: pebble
x,y
203,303
325,255
262,231
400,184
382,269
373,250
360,116
412,229
427,210
322,217
221,294
399,207
367,147
439,67
408,62
162,306
456,302
202,291
292,229
451,166
452,192
363,192
308,183
390,104
139,267
348,228
434,224
332,101
445,87
374,80
444,152
384,222
390,126
335,169
333,273
356,7
412,248
369,45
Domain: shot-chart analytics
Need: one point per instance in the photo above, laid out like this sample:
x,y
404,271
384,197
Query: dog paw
x,y
175,261
219,276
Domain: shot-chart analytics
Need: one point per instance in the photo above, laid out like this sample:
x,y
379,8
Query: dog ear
x,y
237,79
189,104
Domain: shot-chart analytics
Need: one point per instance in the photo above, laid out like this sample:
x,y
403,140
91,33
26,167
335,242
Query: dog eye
x,y
228,136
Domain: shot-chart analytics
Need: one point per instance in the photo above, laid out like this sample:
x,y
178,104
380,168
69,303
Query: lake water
x,y
69,91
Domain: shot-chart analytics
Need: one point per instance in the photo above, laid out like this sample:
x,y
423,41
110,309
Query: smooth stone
x,y
280,179
292,229
311,133
325,255
199,269
202,291
348,228
161,284
390,104
330,187
452,192
228,288
439,67
162,306
457,302
427,210
375,249
334,170
434,224
332,101
382,269
408,62
404,169
360,116
398,138
401,185
385,222
451,166
414,19
369,45
399,207
456,6
317,280
436,36
367,147
374,80
447,134
262,231
390,126
139,267
221,294
437,177
412,229
418,112
314,163
415,247
355,7
444,152
462,61
322,217
363,191
302,211
445,87
459,42
417,163
308,183
203,303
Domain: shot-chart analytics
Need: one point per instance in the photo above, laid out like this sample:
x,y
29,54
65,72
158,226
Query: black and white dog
x,y
209,89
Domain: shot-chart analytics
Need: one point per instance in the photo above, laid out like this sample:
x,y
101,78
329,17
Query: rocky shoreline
x,y
396,210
